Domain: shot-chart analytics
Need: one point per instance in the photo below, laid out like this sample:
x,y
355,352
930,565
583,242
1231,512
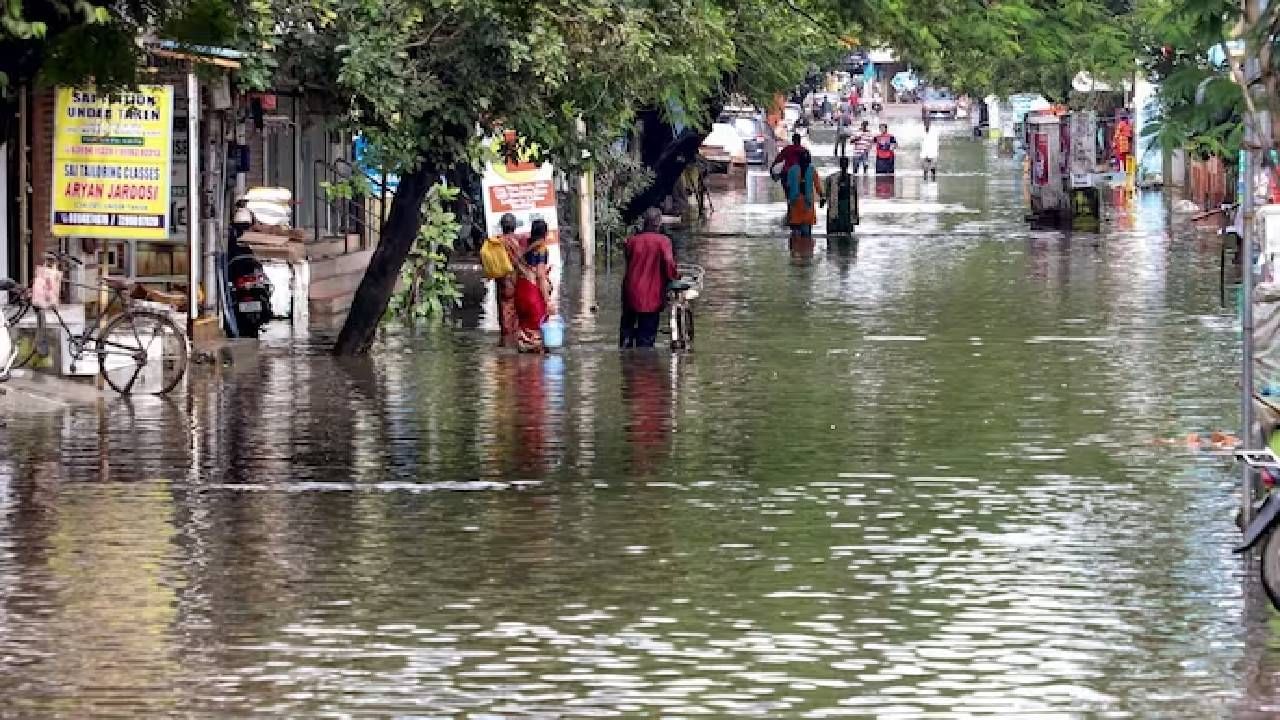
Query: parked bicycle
x,y
1261,531
138,349
680,296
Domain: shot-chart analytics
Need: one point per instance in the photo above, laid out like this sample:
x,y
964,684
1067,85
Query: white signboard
x,y
528,191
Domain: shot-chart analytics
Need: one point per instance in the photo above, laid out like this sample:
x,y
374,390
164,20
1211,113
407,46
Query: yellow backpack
x,y
495,259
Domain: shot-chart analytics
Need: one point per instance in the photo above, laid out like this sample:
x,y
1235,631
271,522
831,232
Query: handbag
x,y
47,288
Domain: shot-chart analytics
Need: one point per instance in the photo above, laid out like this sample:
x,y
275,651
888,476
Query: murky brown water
x,y
916,478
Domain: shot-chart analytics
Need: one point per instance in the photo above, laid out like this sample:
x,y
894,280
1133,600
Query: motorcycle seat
x,y
7,284
117,283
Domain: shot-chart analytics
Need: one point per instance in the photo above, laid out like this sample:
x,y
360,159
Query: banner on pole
x,y
527,191
111,163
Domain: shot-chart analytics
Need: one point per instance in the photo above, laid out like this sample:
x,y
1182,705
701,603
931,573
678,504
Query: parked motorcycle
x,y
250,288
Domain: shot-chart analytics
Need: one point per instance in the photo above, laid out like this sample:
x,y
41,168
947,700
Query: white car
x,y
791,113
724,140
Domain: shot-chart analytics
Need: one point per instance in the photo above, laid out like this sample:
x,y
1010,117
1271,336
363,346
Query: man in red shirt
x,y
788,156
650,266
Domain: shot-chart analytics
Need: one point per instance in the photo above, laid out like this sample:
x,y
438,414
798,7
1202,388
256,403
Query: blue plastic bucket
x,y
553,332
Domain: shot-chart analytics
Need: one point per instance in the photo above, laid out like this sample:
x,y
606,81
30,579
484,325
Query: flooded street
x,y
917,477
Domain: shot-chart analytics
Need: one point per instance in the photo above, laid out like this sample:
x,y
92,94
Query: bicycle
x,y
680,296
138,344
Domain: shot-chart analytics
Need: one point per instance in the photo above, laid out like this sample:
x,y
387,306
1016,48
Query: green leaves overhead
x,y
417,76
76,41
1009,46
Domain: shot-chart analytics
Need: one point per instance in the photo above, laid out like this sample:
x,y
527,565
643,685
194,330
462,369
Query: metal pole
x,y
24,199
215,161
586,218
1246,328
193,197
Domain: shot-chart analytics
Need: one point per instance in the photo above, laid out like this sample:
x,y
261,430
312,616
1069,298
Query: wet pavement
x,y
917,476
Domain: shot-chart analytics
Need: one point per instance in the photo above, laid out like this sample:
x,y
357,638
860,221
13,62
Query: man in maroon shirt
x,y
788,156
650,266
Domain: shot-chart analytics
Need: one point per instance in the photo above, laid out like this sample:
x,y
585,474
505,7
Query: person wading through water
x,y
929,150
651,264
802,192
863,141
844,131
502,270
886,147
842,198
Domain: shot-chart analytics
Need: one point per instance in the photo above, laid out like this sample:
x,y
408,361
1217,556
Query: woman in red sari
x,y
530,307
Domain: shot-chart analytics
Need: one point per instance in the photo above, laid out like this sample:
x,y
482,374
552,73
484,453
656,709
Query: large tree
x,y
424,80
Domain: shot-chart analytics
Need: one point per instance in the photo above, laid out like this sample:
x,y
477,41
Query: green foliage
x,y
619,178
204,22
415,76
1021,45
102,52
1201,107
427,287
76,41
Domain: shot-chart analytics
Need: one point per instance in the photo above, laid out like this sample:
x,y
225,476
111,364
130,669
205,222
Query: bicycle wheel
x,y
688,326
142,351
1270,567
38,344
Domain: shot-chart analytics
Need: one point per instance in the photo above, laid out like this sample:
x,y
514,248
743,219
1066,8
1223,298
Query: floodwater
x,y
919,477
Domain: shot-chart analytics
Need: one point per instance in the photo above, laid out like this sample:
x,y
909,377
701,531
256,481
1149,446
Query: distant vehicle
x,y
791,114
940,101
813,103
752,131
725,144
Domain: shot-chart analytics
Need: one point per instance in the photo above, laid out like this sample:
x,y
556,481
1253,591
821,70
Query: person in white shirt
x,y
929,151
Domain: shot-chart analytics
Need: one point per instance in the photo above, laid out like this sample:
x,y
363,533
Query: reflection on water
x,y
912,476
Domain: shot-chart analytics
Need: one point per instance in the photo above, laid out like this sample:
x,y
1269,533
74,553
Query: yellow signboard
x,y
111,159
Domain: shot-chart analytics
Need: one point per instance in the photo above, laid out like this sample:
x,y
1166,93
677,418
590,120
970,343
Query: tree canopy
x,y
1019,45
76,41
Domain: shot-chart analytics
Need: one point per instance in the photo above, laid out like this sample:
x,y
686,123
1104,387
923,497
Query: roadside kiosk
x,y
1044,155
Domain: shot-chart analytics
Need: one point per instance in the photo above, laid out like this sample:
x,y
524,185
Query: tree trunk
x,y
379,281
667,154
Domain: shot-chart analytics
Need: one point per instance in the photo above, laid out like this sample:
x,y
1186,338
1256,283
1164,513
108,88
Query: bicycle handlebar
x,y
58,255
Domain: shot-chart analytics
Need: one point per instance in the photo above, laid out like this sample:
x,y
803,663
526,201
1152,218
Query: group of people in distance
x,y
794,168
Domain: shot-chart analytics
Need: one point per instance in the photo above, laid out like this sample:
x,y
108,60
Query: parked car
x,y
725,144
940,101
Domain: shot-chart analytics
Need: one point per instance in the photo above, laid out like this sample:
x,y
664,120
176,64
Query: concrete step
x,y
323,268
332,285
328,247
336,305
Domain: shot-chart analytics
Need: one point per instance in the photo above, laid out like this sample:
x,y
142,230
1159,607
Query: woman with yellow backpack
x,y
499,256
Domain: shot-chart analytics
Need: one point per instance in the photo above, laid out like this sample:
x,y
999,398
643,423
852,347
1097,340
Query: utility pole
x,y
1243,54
